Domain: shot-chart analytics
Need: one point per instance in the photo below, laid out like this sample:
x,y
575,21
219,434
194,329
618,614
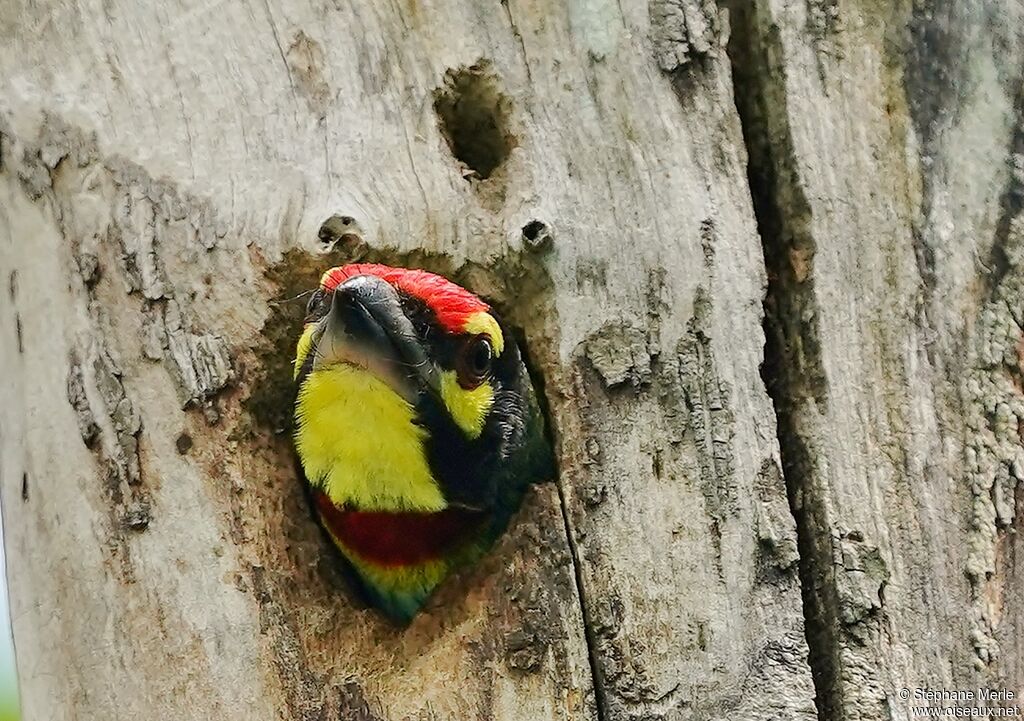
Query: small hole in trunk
x,y
474,114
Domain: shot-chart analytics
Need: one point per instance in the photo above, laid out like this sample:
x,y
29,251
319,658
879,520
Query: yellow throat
x,y
359,443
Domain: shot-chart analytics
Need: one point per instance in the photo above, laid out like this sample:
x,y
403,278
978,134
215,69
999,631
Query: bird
x,y
417,427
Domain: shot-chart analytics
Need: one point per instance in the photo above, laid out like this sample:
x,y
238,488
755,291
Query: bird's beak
x,y
367,327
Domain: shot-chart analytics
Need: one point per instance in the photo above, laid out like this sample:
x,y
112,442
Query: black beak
x,y
367,326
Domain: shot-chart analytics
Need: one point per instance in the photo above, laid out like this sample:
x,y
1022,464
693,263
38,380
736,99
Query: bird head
x,y
412,396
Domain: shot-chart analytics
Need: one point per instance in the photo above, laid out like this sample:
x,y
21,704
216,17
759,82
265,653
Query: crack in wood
x,y
792,372
589,627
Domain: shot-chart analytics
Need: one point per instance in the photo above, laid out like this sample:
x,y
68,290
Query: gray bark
x,y
736,528
886,158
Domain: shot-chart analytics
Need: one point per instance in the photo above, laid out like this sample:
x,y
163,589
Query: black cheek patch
x,y
461,465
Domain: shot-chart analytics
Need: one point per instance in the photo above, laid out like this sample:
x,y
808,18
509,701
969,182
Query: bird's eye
x,y
473,363
481,359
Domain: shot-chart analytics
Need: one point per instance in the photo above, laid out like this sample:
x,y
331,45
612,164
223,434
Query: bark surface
x,y
886,166
786,396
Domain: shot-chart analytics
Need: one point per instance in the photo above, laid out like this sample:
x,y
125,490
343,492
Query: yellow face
x,y
358,434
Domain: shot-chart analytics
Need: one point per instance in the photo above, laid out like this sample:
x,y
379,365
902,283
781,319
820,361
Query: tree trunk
x,y
887,164
788,429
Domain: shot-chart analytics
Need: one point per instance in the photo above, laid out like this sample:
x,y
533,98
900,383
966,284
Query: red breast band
x,y
398,539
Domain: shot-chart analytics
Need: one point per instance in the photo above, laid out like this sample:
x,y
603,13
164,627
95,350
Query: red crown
x,y
452,304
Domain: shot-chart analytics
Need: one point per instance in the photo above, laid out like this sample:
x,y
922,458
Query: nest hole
x,y
537,235
473,115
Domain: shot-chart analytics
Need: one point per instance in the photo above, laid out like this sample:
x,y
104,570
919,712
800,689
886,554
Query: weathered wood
x,y
886,157
171,174
170,177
